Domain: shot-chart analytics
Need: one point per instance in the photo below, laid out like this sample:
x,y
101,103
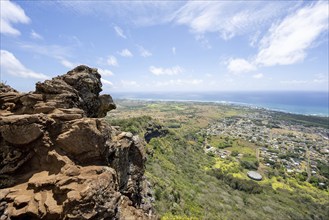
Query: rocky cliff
x,y
59,159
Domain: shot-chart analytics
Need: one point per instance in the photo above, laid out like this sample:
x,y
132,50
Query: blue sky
x,y
168,46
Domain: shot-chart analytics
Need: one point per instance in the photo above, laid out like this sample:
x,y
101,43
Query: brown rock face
x,y
60,160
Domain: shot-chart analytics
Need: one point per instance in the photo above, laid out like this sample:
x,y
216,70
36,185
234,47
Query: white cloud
x,y
258,76
317,81
173,49
144,52
194,81
68,64
35,35
112,61
129,83
104,81
119,32
125,53
254,38
320,78
11,65
54,51
203,40
240,66
105,72
57,52
287,42
11,13
294,82
179,82
139,13
166,71
71,40
229,18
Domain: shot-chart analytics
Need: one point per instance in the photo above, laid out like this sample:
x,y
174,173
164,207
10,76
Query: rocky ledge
x,y
59,159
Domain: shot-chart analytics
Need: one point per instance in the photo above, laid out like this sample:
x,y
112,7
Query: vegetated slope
x,y
188,184
303,119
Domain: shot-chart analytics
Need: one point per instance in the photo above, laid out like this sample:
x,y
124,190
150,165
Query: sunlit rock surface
x,y
59,159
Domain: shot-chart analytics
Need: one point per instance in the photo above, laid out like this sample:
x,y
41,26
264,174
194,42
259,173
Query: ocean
x,y
306,103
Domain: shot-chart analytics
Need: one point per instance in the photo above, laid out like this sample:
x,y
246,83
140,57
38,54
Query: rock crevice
x,y
60,159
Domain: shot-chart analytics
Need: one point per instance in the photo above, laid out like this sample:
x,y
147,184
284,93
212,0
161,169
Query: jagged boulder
x,y
79,89
6,88
155,130
59,159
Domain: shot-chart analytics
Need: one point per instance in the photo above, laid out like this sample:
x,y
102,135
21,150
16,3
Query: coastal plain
x,y
199,154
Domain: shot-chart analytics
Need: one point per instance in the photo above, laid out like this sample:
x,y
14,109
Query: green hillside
x,y
189,183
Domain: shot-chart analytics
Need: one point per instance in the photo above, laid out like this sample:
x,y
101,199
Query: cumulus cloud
x,y
125,53
11,13
12,66
119,32
166,71
287,42
240,66
112,61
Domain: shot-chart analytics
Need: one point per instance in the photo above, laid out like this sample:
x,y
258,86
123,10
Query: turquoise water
x,y
307,103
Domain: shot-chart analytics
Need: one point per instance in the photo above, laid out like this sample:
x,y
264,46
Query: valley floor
x,y
199,155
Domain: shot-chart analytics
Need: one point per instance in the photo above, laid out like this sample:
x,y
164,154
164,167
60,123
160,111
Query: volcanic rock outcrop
x,y
59,159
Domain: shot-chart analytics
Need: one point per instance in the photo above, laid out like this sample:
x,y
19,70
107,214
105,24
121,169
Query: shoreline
x,y
230,103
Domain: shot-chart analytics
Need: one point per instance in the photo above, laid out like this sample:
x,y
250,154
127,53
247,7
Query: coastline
x,y
305,110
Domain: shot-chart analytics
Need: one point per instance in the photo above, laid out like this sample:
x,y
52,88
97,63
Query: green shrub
x,y
234,153
249,164
248,186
